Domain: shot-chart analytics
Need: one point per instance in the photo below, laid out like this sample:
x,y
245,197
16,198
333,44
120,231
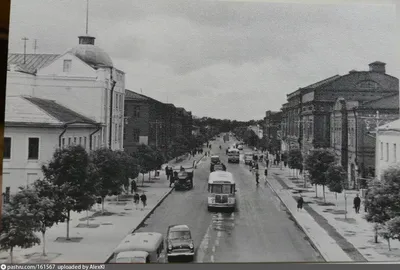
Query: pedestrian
x,y
266,173
143,198
133,186
174,175
136,199
357,203
267,161
300,202
167,172
257,177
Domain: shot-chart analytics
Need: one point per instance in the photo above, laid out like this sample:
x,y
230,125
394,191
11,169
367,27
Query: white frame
x,y
69,67
11,148
27,148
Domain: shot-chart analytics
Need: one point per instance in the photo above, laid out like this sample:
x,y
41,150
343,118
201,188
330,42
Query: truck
x,y
226,137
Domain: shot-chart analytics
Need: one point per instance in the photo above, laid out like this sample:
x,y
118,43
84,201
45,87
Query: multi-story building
x,y
308,112
83,79
271,130
352,133
34,129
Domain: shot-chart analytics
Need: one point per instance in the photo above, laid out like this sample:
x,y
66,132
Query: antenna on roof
x,y
87,17
35,46
25,39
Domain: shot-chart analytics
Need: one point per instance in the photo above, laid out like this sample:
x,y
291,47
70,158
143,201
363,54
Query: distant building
x,y
271,130
82,78
352,134
34,129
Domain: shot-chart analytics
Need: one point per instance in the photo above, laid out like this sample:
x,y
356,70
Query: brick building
x,y
352,133
271,129
307,114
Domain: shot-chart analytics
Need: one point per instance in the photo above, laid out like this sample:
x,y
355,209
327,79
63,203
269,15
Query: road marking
x,y
204,245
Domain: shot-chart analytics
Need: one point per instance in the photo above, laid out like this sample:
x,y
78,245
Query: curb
x,y
145,218
313,243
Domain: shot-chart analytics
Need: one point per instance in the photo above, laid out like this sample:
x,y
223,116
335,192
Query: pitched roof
x,y
323,82
395,125
386,102
133,95
33,62
58,111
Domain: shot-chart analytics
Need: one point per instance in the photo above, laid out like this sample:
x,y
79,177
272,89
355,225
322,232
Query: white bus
x,y
142,247
233,155
221,191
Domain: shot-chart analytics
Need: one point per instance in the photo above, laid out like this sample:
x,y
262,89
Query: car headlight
x,y
191,246
169,246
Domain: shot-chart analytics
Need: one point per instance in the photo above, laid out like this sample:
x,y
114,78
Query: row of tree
x,y
382,202
75,180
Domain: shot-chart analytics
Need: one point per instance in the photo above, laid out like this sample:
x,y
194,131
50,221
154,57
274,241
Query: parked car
x,y
179,242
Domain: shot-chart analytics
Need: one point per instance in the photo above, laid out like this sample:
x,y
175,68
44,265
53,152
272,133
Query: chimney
x,y
378,67
86,40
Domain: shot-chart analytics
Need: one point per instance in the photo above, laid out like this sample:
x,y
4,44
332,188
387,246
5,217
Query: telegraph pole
x,y
35,46
25,40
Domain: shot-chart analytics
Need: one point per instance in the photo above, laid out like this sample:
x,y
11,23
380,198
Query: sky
x,y
223,59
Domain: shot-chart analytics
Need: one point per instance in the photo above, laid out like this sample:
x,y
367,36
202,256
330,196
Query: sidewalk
x,y
95,243
351,232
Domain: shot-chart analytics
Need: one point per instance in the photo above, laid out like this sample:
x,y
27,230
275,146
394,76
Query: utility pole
x,y
25,40
35,46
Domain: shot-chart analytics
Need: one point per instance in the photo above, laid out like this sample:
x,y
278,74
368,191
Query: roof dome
x,y
91,54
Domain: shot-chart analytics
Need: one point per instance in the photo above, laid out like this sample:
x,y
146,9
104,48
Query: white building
x,y
257,130
34,129
387,147
81,79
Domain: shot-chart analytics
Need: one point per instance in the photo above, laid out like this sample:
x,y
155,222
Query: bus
x,y
221,191
233,155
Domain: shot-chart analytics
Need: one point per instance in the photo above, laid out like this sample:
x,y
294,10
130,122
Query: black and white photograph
x,y
200,131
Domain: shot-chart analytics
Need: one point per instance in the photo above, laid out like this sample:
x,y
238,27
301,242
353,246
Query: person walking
x,y
266,173
300,202
257,177
133,186
143,198
136,199
357,203
167,172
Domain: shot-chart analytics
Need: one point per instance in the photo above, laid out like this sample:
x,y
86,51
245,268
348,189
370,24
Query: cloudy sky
x,y
223,59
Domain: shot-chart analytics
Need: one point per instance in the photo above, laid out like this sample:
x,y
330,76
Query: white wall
x,y
384,158
18,170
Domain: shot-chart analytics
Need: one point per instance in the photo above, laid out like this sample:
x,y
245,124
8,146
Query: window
x,y
75,140
33,148
381,150
124,138
115,132
63,142
136,111
7,148
387,151
394,153
84,142
69,141
80,140
136,134
67,65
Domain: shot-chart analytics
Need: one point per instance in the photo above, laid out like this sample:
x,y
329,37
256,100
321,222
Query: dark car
x,y
184,180
215,159
217,167
179,242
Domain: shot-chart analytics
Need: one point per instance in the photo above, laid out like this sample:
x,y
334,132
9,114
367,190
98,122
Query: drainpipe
x,y
91,136
111,107
62,133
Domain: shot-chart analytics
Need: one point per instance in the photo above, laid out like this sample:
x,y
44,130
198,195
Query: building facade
x,y
307,115
387,147
34,129
272,130
352,134
83,79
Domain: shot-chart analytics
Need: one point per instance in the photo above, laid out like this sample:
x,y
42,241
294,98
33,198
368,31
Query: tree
x,y
44,206
393,227
129,166
68,171
144,158
295,159
383,201
108,171
18,226
317,164
335,177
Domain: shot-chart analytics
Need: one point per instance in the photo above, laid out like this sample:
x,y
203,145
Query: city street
x,y
259,231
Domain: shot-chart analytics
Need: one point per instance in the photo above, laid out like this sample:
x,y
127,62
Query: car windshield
x,y
179,235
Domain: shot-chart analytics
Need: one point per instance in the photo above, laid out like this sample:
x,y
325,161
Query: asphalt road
x,y
259,231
